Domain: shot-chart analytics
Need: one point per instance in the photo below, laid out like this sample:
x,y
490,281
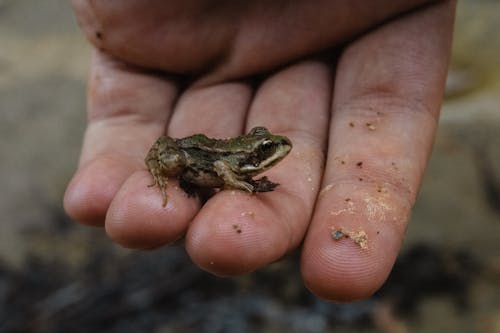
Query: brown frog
x,y
200,161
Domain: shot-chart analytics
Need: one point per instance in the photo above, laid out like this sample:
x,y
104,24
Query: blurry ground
x,y
56,276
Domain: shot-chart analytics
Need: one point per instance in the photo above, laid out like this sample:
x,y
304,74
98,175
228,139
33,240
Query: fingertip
x,y
346,269
235,234
91,191
226,256
137,219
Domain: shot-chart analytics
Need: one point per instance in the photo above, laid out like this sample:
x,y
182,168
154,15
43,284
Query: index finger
x,y
385,109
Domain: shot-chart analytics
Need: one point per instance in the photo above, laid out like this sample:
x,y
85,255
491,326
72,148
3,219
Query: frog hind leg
x,y
193,190
231,181
189,188
263,185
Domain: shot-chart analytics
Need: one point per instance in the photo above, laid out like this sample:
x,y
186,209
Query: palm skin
x,y
356,86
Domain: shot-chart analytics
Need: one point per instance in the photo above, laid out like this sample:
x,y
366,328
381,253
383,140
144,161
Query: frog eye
x,y
258,131
266,145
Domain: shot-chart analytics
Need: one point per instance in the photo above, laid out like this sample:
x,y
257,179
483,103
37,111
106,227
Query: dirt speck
x,y
359,237
349,208
340,160
378,208
249,213
237,227
326,189
338,234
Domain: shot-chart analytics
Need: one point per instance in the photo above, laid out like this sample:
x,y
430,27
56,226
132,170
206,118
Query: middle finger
x,y
235,232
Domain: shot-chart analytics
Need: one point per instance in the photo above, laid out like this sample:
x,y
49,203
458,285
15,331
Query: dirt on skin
x,y
359,237
56,275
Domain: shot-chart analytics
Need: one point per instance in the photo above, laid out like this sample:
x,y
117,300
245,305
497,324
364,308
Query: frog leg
x,y
263,185
189,188
162,182
224,170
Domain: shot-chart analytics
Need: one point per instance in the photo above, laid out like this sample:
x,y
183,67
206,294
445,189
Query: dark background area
x,y
58,276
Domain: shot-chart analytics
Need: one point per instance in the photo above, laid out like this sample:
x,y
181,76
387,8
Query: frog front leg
x,y
223,170
263,185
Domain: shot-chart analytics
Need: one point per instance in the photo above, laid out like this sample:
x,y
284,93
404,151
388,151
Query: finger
x,y
217,111
236,232
127,110
170,35
386,103
138,221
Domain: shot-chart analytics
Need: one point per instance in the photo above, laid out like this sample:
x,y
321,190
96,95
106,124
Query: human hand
x,y
362,127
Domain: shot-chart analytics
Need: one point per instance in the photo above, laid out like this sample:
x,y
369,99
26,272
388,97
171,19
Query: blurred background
x,y
57,276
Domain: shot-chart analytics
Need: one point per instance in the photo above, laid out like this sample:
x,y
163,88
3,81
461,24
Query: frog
x,y
202,162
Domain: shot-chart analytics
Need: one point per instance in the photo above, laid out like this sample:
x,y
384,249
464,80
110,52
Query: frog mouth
x,y
280,152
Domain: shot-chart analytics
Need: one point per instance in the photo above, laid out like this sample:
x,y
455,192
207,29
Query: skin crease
x,y
362,125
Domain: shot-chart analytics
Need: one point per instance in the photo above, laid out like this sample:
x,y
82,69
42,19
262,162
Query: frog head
x,y
266,149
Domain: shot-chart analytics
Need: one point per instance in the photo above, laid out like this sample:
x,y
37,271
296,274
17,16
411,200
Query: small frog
x,y
200,161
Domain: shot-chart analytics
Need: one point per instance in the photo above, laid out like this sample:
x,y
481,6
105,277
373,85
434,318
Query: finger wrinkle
x,y
376,186
127,117
117,89
348,204
123,141
310,137
381,103
145,107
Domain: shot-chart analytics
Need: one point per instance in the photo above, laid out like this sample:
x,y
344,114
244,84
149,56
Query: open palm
x,y
356,86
